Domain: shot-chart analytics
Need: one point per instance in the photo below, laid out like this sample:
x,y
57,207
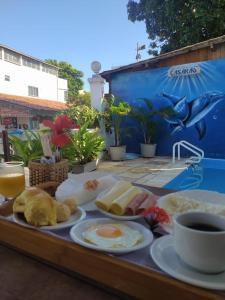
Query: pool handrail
x,y
192,148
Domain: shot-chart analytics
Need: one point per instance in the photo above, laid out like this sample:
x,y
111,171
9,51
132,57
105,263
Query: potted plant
x,y
84,149
26,149
114,112
51,167
146,115
60,133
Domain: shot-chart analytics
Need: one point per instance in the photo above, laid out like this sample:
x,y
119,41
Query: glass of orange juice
x,y
12,179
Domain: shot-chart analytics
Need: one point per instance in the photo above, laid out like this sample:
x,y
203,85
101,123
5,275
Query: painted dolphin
x,y
192,113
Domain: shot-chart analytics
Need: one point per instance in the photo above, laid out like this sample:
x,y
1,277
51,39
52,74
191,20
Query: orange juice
x,y
11,185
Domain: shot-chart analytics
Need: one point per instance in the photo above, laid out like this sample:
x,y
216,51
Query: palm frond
x,y
28,149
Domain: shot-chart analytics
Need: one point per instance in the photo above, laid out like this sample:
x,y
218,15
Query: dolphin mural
x,y
192,113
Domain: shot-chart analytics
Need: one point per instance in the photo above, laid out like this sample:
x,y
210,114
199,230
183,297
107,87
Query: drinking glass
x,y
12,179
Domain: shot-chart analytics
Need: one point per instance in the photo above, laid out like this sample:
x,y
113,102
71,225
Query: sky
x,y
76,31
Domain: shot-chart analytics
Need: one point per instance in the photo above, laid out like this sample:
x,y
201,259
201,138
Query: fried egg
x,y
112,236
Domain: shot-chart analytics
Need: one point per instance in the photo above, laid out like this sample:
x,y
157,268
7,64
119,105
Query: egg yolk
x,y
108,231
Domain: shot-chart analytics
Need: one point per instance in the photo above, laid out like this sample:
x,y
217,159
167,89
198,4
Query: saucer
x,y
164,255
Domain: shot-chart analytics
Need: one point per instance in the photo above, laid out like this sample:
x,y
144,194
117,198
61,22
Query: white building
x,y
24,75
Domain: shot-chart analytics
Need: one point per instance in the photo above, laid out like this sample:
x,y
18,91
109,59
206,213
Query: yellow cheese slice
x,y
119,205
119,188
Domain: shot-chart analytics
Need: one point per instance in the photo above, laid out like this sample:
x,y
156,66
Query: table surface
x,y
23,278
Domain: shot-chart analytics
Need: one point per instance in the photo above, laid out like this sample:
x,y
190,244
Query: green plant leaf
x,y
85,146
28,149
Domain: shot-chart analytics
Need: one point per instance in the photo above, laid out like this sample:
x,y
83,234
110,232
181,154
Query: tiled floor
x,y
155,171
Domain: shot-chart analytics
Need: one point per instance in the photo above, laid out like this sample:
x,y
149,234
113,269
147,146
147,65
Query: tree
x,y
83,98
173,24
66,71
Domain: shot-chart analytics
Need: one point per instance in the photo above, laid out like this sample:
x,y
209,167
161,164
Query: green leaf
x,y
146,116
73,76
174,24
29,148
85,146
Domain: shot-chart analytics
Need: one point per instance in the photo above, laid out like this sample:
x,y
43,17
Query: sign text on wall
x,y
184,70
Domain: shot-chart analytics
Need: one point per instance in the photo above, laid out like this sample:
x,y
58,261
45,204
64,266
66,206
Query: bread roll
x,y
120,204
20,201
39,208
40,212
71,203
62,212
118,189
19,205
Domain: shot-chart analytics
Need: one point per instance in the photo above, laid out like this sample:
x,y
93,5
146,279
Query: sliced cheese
x,y
119,205
119,188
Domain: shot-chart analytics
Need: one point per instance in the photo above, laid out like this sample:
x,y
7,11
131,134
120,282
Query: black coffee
x,y
204,227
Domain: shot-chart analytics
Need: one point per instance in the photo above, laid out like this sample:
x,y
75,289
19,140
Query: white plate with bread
x,y
35,208
78,216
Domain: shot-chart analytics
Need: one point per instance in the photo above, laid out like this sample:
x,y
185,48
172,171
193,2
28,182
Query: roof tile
x,y
33,103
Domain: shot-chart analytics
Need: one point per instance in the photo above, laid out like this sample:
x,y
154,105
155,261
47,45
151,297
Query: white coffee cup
x,y
202,250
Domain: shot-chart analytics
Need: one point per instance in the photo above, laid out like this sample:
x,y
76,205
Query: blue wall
x,y
197,96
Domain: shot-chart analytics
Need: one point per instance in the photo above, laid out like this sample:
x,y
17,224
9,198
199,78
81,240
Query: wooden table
x,y
117,274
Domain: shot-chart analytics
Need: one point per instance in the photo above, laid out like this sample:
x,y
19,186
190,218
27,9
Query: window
x,y
12,57
49,70
65,95
31,63
1,53
32,91
7,78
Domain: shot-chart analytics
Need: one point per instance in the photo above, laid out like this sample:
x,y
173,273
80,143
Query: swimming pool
x,y
208,175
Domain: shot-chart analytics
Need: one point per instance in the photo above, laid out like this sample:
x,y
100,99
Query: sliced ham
x,y
135,203
148,202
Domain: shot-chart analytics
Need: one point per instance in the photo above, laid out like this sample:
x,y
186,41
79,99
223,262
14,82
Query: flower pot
x,y
109,139
88,167
117,152
148,150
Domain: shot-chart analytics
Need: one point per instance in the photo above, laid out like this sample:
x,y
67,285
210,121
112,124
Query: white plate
x,y
79,215
78,180
199,195
164,255
77,230
116,217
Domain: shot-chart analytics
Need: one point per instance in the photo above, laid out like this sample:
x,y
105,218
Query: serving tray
x,y
121,273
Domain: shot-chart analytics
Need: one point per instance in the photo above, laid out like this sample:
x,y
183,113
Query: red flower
x,y
61,122
59,138
158,214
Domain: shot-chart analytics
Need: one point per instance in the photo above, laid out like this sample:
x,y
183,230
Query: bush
x,y
85,146
83,115
28,149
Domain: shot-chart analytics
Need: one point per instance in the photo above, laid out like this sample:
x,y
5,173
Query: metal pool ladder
x,y
199,153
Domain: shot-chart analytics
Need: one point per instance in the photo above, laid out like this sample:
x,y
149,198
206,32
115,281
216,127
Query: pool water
x,y
209,174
